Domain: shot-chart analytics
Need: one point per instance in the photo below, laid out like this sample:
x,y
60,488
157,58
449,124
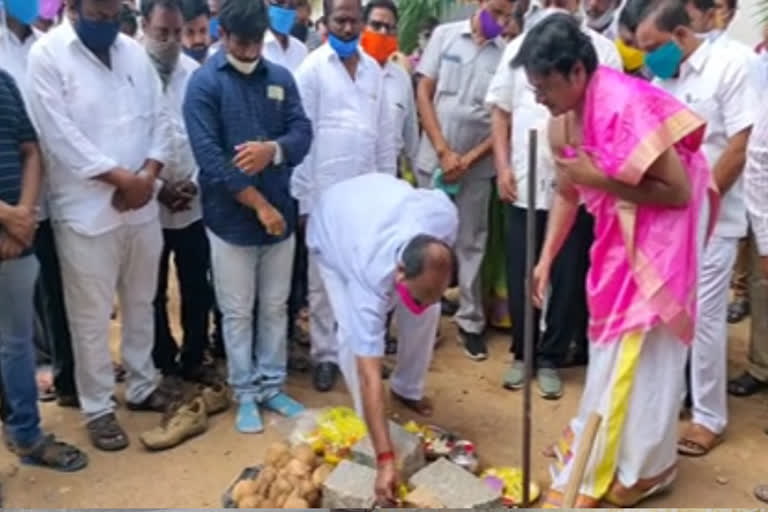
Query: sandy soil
x,y
469,400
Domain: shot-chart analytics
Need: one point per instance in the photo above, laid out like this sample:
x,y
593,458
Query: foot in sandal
x,y
761,493
698,441
50,453
422,407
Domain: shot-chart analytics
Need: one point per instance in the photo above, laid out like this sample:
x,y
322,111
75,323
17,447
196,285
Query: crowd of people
x,y
294,172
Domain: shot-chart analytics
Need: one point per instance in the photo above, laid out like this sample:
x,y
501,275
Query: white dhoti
x,y
416,338
635,385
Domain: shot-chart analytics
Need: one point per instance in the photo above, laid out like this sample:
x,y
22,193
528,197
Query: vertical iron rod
x,y
528,349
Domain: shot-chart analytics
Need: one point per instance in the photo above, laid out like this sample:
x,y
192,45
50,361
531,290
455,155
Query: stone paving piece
x,y
410,454
454,486
350,485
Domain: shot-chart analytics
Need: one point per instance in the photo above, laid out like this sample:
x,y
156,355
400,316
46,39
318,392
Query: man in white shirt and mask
x,y
343,92
381,245
99,106
180,210
714,82
279,45
603,16
515,112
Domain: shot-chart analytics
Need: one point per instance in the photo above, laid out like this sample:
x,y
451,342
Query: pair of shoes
x,y
157,401
474,345
188,420
324,376
215,396
548,380
248,419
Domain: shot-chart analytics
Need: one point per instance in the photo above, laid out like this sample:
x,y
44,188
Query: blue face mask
x,y
24,11
199,54
343,49
281,19
213,28
664,61
97,36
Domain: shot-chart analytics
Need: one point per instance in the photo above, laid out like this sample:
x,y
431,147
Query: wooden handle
x,y
582,456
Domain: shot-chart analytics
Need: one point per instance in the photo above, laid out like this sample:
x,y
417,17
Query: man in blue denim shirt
x,y
248,129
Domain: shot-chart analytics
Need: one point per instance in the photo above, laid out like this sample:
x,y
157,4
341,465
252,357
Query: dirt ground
x,y
468,397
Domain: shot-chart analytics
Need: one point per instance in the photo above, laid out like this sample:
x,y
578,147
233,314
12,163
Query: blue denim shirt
x,y
224,108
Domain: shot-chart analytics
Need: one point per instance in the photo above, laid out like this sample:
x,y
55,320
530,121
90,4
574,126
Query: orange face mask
x,y
377,45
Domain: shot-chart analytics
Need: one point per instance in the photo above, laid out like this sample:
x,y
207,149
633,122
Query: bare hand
x,y
21,224
450,162
184,192
135,193
386,484
254,157
540,284
9,247
578,169
168,195
272,220
506,184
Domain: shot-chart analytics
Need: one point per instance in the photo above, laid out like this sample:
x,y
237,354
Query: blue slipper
x,y
248,419
284,405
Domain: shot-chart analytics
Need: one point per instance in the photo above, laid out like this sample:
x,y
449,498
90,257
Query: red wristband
x,y
385,457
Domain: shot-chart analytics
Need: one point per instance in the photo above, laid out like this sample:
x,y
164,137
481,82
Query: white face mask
x,y
601,22
243,67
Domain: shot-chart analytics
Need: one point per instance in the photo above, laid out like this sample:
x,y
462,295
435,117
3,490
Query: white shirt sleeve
x,y
411,128
756,182
59,134
301,179
367,321
162,128
386,154
501,90
737,97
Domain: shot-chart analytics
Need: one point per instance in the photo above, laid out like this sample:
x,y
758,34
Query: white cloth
x,y
290,57
715,84
755,66
322,323
756,180
351,125
511,92
92,119
398,88
94,269
358,230
181,163
709,353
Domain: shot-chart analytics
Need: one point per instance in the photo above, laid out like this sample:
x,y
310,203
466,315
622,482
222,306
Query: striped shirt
x,y
15,129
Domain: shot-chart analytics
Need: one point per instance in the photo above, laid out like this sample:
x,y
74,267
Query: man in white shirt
x,y
279,45
381,245
99,106
603,16
715,84
15,42
379,40
196,34
180,210
454,153
343,92
515,112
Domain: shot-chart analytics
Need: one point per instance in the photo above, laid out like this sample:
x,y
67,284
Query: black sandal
x,y
106,434
53,454
746,385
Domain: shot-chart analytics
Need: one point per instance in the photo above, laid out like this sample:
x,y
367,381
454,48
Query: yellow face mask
x,y
631,57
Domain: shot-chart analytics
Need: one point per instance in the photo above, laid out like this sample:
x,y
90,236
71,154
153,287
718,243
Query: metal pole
x,y
528,349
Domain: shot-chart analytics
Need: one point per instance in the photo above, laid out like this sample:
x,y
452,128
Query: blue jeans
x,y
241,276
17,351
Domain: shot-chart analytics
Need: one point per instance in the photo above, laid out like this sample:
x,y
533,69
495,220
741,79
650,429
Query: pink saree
x,y
644,258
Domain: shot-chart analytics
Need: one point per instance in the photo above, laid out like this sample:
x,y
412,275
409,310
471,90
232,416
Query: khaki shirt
x,y
463,71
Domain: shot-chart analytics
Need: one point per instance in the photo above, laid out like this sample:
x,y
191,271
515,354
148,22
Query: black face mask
x,y
300,32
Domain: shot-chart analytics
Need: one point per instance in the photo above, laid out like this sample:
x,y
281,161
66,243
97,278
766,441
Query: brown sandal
x,y
423,406
698,441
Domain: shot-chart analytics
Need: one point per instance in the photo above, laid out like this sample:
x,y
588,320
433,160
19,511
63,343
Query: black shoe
x,y
325,376
474,345
448,308
68,401
738,310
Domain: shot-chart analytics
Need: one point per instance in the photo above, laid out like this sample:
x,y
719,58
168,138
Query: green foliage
x,y
412,15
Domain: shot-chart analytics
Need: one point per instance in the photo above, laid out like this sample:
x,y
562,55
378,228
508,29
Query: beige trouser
x,y
758,346
741,270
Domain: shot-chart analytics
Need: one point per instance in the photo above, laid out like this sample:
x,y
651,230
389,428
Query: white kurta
x,y
357,233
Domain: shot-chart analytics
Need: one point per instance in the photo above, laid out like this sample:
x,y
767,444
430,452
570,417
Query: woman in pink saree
x,y
630,153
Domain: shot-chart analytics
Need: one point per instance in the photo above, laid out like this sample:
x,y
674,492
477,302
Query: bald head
x,y
427,268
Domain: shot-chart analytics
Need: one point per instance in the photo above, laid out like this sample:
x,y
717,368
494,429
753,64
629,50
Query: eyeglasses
x,y
380,26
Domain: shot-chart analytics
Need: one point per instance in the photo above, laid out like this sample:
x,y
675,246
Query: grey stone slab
x,y
408,449
455,486
350,485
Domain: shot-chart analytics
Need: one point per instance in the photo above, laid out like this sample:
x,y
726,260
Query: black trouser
x,y
299,278
54,315
191,255
567,305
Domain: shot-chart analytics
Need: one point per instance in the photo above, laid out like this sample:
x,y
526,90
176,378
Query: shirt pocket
x,y
481,82
449,78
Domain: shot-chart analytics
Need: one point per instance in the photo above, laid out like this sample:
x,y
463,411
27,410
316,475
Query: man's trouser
x,y
758,342
125,262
